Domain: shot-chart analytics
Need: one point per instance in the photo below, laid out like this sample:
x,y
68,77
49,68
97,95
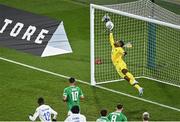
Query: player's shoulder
x,y
110,114
40,107
82,116
118,48
43,107
114,113
67,88
122,114
77,87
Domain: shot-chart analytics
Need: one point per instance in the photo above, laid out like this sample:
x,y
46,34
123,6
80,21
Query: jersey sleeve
x,y
80,92
98,120
124,118
65,92
111,40
109,116
84,118
67,119
36,114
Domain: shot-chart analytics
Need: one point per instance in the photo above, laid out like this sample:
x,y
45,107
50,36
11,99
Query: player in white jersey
x,y
75,116
44,112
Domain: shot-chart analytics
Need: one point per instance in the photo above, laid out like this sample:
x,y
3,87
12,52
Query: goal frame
x,y
92,61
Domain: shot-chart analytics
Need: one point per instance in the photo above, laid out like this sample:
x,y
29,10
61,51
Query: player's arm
x,y
109,25
33,118
84,118
82,97
111,39
67,119
54,113
65,96
109,117
125,53
124,118
81,94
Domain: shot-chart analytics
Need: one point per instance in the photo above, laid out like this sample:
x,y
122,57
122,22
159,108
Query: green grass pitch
x,y
20,86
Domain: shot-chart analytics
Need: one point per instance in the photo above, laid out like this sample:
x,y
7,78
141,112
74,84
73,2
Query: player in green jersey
x,y
117,116
103,117
72,95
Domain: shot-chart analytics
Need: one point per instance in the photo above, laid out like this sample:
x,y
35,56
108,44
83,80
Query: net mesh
x,y
148,9
156,48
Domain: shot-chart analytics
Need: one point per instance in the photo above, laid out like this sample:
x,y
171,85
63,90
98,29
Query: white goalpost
x,y
154,33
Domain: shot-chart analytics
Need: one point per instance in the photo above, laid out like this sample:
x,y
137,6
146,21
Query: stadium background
x,y
20,87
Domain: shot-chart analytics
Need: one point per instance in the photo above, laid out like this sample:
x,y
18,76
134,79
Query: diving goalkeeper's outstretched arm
x,y
111,39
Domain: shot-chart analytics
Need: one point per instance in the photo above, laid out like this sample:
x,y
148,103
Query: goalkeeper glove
x,y
106,18
128,45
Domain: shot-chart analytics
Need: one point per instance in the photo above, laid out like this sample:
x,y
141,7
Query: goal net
x,y
154,33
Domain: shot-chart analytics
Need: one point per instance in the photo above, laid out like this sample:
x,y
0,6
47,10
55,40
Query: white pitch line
x,y
100,87
139,98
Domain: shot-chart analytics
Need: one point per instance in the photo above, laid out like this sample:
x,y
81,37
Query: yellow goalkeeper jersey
x,y
117,52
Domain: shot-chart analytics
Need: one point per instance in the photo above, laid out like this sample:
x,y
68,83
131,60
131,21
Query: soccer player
x,y
145,117
117,55
44,112
75,116
117,116
72,95
103,117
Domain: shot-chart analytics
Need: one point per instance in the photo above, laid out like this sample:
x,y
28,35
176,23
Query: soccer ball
x,y
109,25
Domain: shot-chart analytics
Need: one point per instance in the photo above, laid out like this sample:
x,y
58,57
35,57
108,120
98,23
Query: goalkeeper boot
x,y
141,90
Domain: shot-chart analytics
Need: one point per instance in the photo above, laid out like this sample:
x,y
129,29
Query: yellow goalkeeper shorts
x,y
120,65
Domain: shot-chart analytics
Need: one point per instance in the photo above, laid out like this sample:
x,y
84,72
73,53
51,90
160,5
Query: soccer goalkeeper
x,y
117,56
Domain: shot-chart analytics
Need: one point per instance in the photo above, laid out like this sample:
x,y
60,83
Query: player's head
x,y
72,80
40,101
119,43
145,116
103,112
119,107
75,109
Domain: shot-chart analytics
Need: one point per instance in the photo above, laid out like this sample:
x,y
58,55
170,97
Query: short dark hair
x,y
119,106
40,101
71,80
103,112
75,109
121,42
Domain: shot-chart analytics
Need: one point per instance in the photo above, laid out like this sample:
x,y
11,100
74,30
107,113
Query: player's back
x,y
76,118
45,112
117,117
73,94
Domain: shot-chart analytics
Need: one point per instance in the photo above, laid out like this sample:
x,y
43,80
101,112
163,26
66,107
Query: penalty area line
x,y
139,98
97,86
